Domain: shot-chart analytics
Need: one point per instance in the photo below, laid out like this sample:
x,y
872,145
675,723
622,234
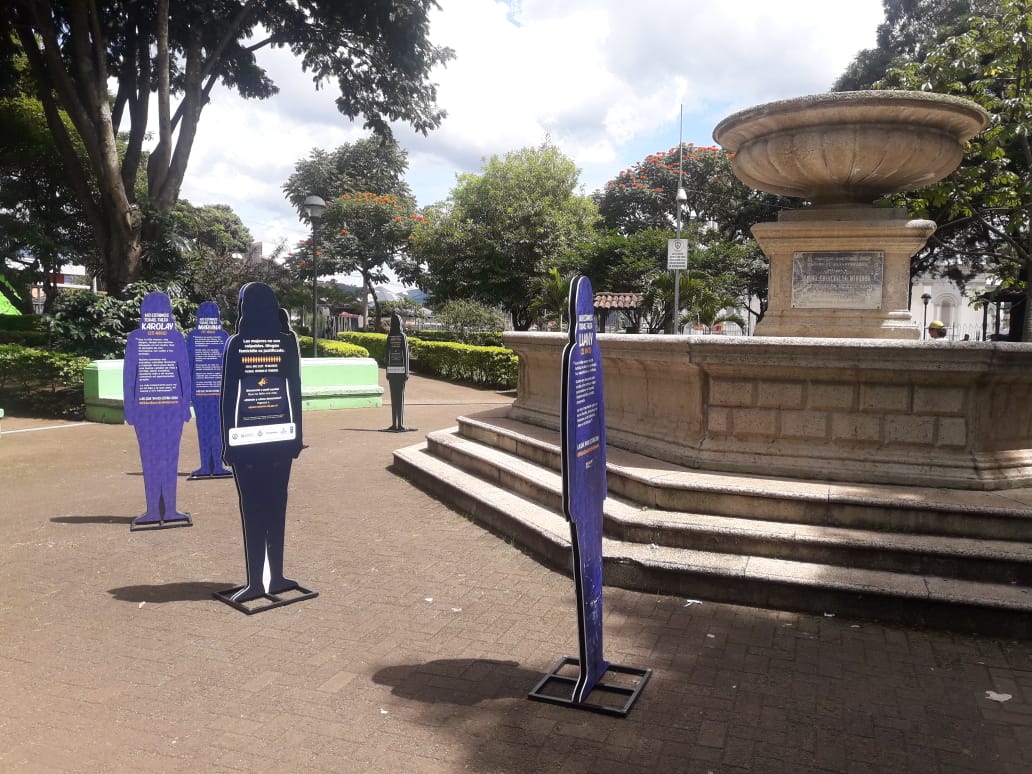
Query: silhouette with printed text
x,y
397,368
206,345
156,398
261,433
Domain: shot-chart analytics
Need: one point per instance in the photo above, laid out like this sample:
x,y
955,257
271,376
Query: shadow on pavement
x,y
158,593
93,519
463,681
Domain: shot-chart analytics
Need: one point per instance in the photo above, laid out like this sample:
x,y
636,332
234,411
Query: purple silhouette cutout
x,y
206,345
156,398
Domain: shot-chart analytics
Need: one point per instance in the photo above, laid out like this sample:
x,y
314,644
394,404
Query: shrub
x,y
486,366
29,330
330,348
374,343
466,317
478,338
23,322
41,382
98,326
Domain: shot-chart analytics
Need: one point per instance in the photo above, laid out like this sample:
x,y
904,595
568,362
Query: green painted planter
x,y
326,383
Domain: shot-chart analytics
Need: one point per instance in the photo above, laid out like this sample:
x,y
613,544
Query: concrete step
x,y
948,556
997,609
996,515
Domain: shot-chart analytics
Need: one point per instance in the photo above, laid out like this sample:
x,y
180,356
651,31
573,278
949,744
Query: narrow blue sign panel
x,y
583,431
206,344
156,397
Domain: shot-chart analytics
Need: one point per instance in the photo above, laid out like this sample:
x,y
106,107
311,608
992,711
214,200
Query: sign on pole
x,y
583,454
677,254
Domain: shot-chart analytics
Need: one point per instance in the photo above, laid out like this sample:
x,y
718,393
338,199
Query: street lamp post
x,y
926,297
679,200
314,207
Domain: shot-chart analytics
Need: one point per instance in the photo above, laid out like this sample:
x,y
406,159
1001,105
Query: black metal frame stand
x,y
271,600
630,692
146,526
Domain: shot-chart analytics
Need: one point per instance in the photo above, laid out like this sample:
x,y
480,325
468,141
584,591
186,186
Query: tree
x,y
369,164
370,209
377,51
984,210
643,197
551,295
365,233
501,229
42,225
717,218
465,317
189,236
908,28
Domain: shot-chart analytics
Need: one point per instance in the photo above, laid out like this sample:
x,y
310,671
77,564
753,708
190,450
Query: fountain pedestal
x,y
840,267
841,271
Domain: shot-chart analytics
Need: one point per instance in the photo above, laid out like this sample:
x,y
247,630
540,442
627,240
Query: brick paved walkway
x,y
426,637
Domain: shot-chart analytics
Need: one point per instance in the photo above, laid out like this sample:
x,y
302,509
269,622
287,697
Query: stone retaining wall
x,y
944,414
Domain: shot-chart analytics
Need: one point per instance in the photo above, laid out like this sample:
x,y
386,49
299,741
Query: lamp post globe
x,y
314,207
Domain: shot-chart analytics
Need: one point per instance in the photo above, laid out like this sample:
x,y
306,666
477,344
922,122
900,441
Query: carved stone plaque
x,y
837,280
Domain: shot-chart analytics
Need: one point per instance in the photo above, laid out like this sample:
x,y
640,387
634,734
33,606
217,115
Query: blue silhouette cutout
x,y
206,345
156,399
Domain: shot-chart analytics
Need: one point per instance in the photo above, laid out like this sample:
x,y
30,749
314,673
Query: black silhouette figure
x,y
261,433
397,374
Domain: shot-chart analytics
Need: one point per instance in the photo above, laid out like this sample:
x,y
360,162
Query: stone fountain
x,y
834,462
840,267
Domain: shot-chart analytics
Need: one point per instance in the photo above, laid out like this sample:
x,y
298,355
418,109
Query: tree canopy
x,y
639,207
377,52
370,164
981,51
502,228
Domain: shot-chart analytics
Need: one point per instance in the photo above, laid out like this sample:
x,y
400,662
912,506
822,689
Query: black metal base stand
x,y
205,476
399,430
265,601
144,526
628,689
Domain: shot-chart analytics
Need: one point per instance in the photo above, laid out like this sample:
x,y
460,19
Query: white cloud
x,y
602,78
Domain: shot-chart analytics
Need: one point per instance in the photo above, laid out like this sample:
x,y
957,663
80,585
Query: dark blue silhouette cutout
x,y
156,398
206,344
261,433
397,373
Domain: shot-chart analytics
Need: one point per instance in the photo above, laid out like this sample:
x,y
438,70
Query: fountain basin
x,y
850,147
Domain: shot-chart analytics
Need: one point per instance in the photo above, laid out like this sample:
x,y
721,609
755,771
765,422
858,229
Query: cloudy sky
x,y
603,79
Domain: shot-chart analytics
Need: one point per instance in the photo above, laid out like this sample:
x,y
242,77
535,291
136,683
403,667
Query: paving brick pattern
x,y
426,637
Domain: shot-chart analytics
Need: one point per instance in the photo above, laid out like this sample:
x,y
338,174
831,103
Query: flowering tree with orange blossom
x,y
638,207
642,197
366,233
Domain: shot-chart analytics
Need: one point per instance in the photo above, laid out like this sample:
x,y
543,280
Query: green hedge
x,y
41,382
25,338
477,338
22,322
29,330
374,343
330,348
486,366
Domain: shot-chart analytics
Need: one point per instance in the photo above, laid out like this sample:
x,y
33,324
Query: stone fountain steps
x,y
502,474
